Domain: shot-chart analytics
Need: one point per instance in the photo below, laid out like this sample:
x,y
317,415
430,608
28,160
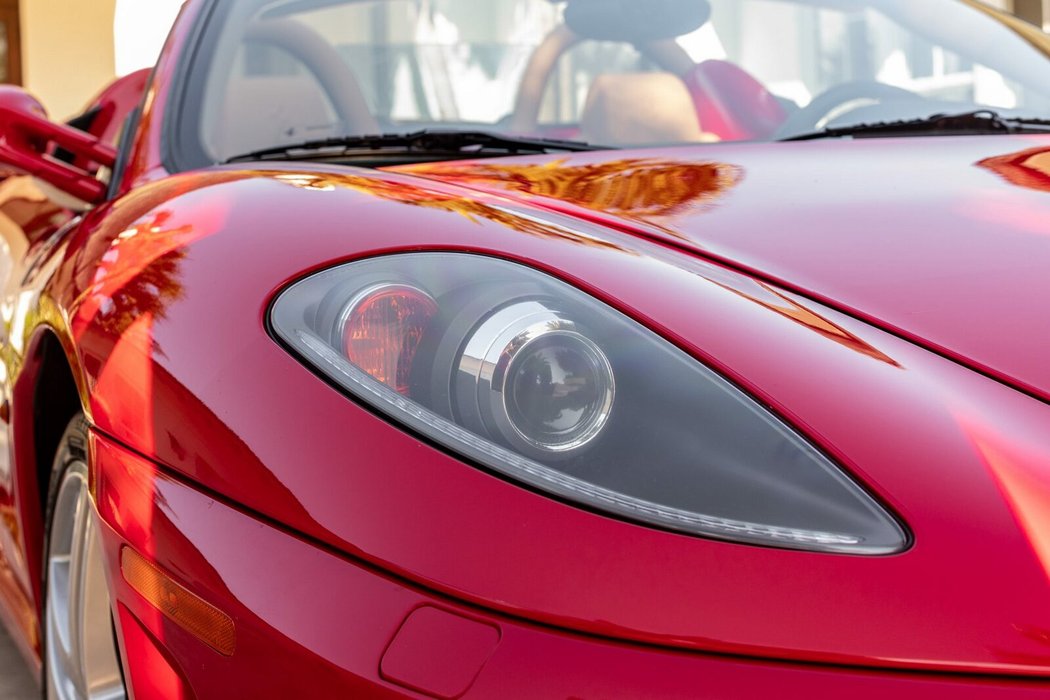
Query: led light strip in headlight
x,y
542,477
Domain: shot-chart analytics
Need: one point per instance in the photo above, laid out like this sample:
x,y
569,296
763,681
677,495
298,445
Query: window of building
x,y
10,47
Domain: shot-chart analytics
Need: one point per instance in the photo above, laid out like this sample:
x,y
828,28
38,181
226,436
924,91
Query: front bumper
x,y
310,622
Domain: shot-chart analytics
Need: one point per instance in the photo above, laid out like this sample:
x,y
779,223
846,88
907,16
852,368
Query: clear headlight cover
x,y
532,379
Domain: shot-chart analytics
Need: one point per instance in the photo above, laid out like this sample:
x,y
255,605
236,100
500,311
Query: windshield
x,y
613,72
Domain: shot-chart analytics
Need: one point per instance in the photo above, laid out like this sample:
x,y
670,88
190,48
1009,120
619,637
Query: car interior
x,y
662,94
677,101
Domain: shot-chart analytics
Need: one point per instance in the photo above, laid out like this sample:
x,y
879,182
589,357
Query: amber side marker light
x,y
198,617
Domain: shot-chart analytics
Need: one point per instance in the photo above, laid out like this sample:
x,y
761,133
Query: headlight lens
x,y
536,381
530,376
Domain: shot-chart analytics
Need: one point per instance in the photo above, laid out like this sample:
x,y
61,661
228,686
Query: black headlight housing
x,y
528,377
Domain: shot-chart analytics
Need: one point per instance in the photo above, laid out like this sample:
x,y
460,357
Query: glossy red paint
x,y
27,135
871,227
118,100
162,255
334,635
437,652
653,586
149,670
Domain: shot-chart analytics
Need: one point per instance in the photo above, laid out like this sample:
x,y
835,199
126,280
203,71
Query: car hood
x,y
943,241
167,292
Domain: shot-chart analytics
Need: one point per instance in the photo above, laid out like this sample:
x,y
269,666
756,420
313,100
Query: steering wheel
x,y
338,81
666,53
526,115
836,100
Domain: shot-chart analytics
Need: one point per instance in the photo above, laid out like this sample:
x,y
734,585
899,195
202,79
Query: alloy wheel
x,y
82,660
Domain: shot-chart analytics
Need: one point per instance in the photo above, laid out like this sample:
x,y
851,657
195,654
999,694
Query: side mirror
x,y
29,142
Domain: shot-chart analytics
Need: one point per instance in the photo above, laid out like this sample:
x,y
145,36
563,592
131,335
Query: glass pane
x,y
288,71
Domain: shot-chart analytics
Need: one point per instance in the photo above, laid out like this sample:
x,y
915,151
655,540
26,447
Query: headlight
x,y
529,375
530,378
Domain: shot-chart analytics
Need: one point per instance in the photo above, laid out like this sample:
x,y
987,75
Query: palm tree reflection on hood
x,y
139,273
650,190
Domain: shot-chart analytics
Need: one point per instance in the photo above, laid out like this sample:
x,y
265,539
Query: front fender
x,y
168,299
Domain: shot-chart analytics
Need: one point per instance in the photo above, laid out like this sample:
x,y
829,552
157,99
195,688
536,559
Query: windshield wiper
x,y
429,141
966,123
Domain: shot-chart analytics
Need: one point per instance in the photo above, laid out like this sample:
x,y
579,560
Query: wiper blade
x,y
452,142
966,123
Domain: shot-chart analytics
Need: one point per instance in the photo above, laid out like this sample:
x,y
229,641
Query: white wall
x,y
71,49
67,51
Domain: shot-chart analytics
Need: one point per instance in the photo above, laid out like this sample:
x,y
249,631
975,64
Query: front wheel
x,y
81,661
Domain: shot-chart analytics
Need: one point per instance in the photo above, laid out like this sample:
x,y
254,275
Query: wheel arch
x,y
46,395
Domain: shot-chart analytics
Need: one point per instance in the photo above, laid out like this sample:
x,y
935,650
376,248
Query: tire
x,y
81,660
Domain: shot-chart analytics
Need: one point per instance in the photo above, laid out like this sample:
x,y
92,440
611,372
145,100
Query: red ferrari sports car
x,y
535,348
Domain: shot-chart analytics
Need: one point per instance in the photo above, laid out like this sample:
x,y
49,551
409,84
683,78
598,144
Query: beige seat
x,y
272,111
640,109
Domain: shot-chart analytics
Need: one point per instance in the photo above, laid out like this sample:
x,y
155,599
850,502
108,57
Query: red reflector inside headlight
x,y
382,329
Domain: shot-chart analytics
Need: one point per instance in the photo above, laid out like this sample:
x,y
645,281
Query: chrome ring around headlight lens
x,y
528,375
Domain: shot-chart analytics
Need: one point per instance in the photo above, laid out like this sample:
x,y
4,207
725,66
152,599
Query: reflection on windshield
x,y
286,72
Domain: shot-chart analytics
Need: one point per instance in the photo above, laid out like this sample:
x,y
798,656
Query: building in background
x,y
10,44
67,51
64,51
